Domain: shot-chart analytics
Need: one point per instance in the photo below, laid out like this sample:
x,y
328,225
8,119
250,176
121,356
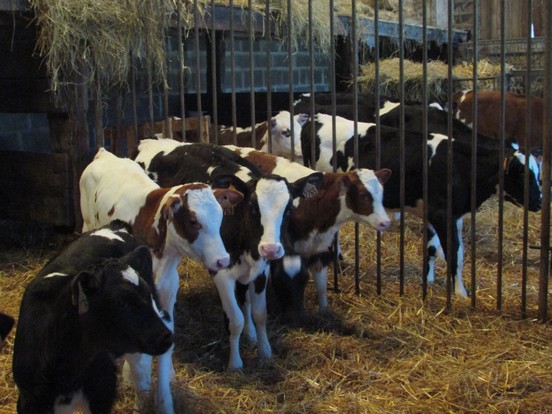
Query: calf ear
x,y
228,199
307,187
82,285
140,260
383,175
172,205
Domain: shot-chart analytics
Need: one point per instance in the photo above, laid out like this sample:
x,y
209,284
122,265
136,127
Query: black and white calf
x,y
252,231
346,196
90,304
280,134
6,325
488,165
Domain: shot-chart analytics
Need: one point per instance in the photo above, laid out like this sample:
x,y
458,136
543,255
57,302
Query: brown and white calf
x,y
280,136
342,197
179,221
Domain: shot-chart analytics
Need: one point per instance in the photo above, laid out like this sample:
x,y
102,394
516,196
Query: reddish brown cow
x,y
488,115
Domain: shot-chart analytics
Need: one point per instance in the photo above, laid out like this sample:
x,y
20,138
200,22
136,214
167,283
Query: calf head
x,y
363,195
117,306
281,134
274,198
514,180
193,215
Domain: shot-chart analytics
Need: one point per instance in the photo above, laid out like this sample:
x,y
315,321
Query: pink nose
x,y
383,225
223,263
271,251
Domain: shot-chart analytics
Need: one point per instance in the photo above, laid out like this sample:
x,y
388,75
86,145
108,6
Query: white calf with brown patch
x,y
176,222
280,134
342,197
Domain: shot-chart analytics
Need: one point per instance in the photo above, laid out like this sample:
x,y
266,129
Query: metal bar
x,y
181,63
134,100
310,40
233,73
251,73
290,77
425,155
198,71
450,58
268,75
150,101
214,75
354,39
473,205
501,155
527,149
334,133
378,133
401,148
98,124
547,135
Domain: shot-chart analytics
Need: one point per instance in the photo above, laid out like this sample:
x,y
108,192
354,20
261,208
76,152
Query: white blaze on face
x,y
156,309
131,276
108,234
379,218
208,246
533,165
273,197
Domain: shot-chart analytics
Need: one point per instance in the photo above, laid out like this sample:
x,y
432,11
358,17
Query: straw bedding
x,y
371,354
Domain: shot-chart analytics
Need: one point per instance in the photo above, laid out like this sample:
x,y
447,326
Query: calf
x,y
342,197
251,232
488,118
179,221
89,305
488,165
280,135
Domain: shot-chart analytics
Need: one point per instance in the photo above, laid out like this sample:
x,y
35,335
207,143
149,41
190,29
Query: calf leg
x,y
226,285
257,293
457,259
433,244
244,300
320,276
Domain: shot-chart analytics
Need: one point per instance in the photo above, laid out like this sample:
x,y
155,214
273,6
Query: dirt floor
x,y
372,354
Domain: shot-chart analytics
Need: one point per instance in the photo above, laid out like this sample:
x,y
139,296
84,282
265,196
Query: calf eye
x,y
122,304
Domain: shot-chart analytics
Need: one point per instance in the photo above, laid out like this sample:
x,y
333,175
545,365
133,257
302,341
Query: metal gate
x,y
239,64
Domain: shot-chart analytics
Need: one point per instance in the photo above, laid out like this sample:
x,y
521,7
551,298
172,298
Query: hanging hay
x,y
437,78
82,40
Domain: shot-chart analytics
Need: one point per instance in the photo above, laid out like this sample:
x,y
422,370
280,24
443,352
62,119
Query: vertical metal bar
x,y
150,101
252,73
166,115
334,133
501,154
311,82
290,76
401,147
268,74
134,100
378,132
233,72
198,70
527,150
214,75
425,155
450,59
354,39
181,63
98,124
473,205
547,136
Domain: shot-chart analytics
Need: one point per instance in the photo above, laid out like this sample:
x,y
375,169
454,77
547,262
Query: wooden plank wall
x,y
515,18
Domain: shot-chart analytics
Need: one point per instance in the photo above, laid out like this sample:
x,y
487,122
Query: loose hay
x,y
371,354
437,78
